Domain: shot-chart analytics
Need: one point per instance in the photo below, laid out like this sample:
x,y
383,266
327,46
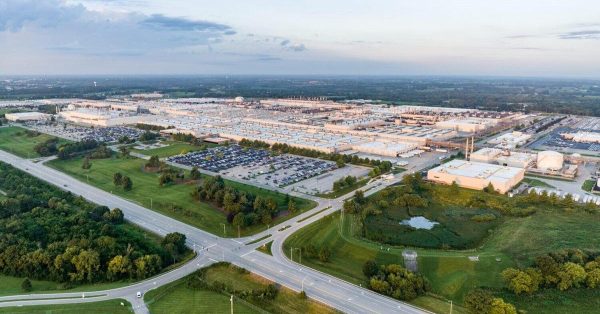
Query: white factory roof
x,y
478,170
26,116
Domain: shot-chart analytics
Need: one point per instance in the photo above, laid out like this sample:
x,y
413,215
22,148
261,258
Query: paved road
x,y
322,287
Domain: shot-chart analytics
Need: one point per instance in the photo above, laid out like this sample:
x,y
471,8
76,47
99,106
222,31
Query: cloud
x,y
62,28
162,22
584,34
15,14
288,45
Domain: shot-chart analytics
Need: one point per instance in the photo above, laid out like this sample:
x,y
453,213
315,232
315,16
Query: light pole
x,y
303,284
151,203
231,301
223,228
450,306
299,248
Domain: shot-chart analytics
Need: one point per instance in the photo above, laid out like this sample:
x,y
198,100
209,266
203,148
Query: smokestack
x,y
467,150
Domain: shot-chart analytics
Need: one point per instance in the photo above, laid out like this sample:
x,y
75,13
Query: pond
x,y
419,222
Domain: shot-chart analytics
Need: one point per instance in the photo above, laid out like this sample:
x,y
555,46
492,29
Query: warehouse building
x,y
477,175
27,116
510,140
504,157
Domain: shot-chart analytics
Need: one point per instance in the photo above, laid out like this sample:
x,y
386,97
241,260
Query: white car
x,y
139,294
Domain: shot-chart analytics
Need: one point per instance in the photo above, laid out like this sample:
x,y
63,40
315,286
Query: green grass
x,y
173,149
174,200
515,243
178,298
573,301
266,248
537,183
14,140
588,185
102,307
345,190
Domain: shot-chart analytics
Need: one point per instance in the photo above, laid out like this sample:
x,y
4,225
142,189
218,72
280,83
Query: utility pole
x,y
231,301
450,306
292,254
223,228
151,203
238,231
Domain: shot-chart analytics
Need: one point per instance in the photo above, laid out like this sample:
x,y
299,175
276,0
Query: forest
x,y
50,234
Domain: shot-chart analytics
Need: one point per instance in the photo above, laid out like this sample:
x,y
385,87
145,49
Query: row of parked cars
x,y
222,158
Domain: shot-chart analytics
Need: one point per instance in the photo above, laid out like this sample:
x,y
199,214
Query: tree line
x,y
50,234
395,281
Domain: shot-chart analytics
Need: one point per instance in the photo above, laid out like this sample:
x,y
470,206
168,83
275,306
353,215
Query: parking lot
x,y
256,165
554,141
78,133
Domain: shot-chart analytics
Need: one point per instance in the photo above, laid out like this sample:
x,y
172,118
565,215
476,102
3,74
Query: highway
x,y
325,288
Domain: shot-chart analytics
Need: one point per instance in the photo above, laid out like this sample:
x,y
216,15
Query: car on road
x,y
139,294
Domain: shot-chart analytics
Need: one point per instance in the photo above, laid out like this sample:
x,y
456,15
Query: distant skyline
x,y
267,37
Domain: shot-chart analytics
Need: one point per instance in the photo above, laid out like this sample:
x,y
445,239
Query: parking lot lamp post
x,y
223,229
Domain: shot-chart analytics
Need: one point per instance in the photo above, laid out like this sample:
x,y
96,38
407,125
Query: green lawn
x,y
266,248
536,182
514,243
14,140
174,148
345,190
173,200
178,298
102,307
588,185
572,301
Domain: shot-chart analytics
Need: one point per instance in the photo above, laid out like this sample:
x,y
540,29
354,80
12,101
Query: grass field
x,y
102,307
173,200
173,149
536,182
266,248
573,301
345,190
14,140
588,185
178,298
514,243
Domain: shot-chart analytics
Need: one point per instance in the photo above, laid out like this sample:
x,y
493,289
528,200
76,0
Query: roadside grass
x,y
266,248
537,183
101,307
178,298
515,242
572,301
345,190
588,185
174,200
173,148
14,140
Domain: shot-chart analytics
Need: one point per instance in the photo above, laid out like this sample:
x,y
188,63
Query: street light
x,y
223,228
299,248
303,283
231,301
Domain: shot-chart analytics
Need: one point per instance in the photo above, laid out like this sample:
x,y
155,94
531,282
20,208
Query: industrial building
x,y
504,157
477,175
27,116
550,161
103,118
582,137
510,140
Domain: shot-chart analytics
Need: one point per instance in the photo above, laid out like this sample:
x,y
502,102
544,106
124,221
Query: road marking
x,y
247,254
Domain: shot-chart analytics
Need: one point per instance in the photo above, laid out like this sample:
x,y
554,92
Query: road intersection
x,y
325,288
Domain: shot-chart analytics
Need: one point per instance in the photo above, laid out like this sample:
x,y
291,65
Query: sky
x,y
537,38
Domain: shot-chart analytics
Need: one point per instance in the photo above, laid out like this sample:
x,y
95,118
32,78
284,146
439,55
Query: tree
x,y
117,179
498,306
370,268
489,188
87,264
593,278
177,239
115,216
118,267
519,281
86,163
26,285
292,206
153,162
239,220
571,275
324,254
127,184
195,173
124,151
478,301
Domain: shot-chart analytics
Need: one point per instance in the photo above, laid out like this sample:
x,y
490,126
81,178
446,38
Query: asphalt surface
x,y
325,288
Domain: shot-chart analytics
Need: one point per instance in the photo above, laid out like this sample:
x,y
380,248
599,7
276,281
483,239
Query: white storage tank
x,y
550,160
